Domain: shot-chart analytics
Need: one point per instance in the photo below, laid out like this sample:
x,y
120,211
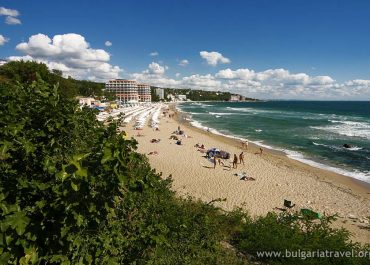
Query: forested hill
x,y
25,72
197,94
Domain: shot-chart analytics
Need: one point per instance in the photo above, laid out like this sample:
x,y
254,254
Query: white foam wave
x,y
354,148
347,128
221,113
363,176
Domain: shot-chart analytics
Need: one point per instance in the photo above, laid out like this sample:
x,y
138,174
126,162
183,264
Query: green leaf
x,y
74,186
18,221
4,258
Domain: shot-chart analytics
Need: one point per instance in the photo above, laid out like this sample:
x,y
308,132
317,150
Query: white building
x,y
86,101
128,91
181,97
159,92
144,93
234,98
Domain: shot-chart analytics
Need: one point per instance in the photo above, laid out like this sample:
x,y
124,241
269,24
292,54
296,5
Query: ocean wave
x,y
221,113
363,176
347,128
356,174
353,148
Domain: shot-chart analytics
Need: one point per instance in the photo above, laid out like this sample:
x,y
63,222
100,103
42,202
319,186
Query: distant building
x,y
86,101
128,91
234,98
159,92
144,93
171,97
181,97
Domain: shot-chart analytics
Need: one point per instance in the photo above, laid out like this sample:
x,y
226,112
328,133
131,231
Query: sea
x,y
312,132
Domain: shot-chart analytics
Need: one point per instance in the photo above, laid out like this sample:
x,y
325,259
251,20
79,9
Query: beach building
x,y
181,97
129,91
159,92
144,93
126,90
171,97
87,101
234,98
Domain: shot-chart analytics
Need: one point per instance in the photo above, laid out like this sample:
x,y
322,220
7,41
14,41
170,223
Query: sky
x,y
263,49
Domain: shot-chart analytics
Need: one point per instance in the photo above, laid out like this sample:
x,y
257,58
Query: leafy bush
x,y
292,232
75,191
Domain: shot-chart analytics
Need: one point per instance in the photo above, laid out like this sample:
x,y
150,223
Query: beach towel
x,y
310,214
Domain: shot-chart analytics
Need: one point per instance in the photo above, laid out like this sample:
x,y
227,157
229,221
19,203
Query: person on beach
x,y
261,150
235,161
241,158
214,162
220,162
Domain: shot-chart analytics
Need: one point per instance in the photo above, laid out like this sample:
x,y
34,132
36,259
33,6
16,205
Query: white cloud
x,y
3,40
184,62
11,15
8,12
268,84
71,54
12,21
153,54
108,43
214,58
155,68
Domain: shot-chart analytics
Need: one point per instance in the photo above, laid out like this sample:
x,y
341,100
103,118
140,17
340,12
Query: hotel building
x,y
128,91
144,93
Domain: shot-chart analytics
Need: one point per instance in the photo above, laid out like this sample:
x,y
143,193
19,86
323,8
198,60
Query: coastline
x,y
278,177
336,179
342,175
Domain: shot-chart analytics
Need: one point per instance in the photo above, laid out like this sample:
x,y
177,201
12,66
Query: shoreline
x,y
278,177
356,183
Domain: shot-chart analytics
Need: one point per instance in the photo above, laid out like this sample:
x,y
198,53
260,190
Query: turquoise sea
x,y
309,131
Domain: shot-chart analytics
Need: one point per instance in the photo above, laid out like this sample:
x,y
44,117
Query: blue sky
x,y
268,49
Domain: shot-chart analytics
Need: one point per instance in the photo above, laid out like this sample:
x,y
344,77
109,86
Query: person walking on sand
x,y
241,158
261,150
235,161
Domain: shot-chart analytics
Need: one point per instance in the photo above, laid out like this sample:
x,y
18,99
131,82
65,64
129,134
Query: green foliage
x,y
25,73
73,191
293,232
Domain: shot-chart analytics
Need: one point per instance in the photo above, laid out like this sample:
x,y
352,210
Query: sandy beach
x,y
276,177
